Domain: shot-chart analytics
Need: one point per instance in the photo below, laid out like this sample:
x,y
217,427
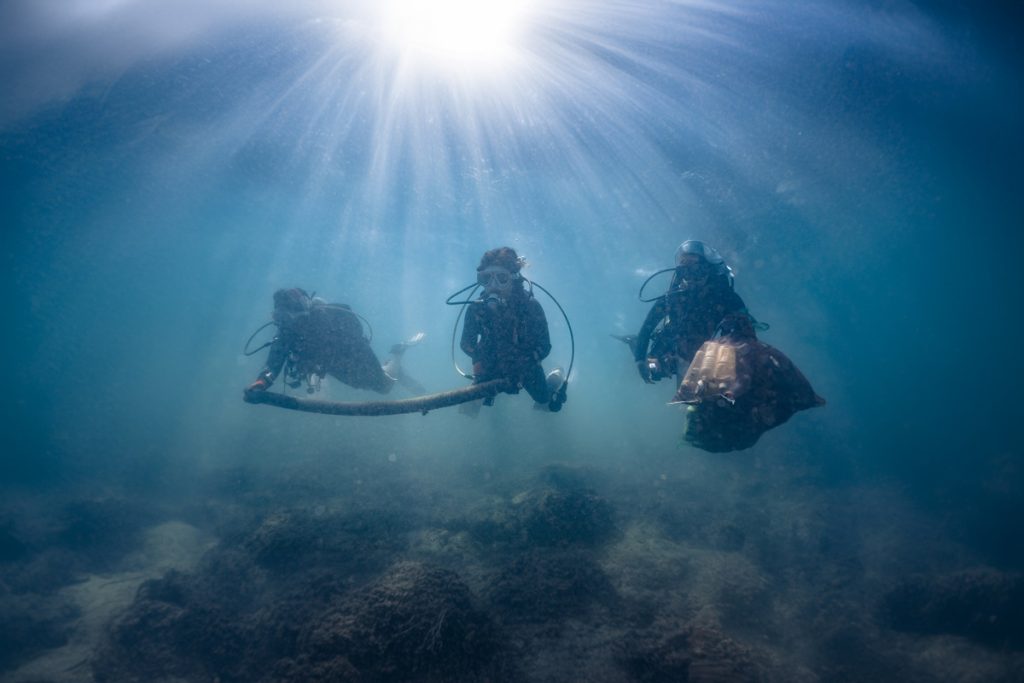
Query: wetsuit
x,y
508,341
328,340
680,321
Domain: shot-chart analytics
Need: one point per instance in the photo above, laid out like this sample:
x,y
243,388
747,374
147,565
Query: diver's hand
x,y
644,369
259,385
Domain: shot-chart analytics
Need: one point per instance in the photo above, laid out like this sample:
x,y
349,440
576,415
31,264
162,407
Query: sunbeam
x,y
471,37
469,109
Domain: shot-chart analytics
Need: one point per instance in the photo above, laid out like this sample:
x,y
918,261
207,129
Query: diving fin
x,y
410,384
393,366
399,348
628,339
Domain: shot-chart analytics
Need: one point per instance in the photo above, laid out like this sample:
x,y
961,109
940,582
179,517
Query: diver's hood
x,y
710,256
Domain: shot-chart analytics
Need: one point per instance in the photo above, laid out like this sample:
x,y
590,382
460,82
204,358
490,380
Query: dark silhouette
x,y
316,339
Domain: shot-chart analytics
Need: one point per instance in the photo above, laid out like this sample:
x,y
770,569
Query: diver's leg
x,y
536,384
400,348
472,408
410,384
548,391
393,365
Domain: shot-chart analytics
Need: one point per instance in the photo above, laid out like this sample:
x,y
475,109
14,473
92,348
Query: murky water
x,y
165,170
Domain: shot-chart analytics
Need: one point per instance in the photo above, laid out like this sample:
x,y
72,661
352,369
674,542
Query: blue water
x,y
857,164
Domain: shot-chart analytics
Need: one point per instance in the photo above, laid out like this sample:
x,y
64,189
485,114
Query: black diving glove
x,y
559,398
645,370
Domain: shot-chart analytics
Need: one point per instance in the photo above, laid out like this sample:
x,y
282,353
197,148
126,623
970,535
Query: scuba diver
x,y
700,297
316,339
506,333
734,386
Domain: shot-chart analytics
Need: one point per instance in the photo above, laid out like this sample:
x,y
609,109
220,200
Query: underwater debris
x,y
737,389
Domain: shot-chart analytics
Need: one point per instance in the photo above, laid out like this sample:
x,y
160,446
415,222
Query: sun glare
x,y
463,35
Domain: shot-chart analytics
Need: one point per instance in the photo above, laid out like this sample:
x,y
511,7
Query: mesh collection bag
x,y
737,389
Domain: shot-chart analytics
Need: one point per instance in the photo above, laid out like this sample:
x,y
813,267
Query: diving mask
x,y
692,275
494,278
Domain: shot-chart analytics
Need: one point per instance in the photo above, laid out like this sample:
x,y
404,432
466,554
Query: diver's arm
x,y
275,360
643,338
540,337
470,331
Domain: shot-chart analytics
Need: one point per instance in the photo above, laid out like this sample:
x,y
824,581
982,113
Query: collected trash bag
x,y
737,388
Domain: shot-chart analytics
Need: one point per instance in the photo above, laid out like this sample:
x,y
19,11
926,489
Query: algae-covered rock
x,y
415,622
360,542
549,517
544,585
170,630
